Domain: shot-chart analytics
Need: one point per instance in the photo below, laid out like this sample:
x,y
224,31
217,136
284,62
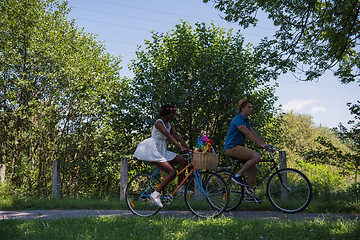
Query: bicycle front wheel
x,y
138,193
206,194
236,191
289,190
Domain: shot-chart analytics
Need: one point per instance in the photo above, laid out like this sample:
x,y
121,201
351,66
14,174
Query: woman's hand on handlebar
x,y
185,150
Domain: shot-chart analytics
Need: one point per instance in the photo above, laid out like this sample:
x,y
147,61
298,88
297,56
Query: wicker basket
x,y
205,160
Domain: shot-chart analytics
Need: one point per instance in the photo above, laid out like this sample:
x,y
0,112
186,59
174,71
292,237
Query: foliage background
x,y
62,99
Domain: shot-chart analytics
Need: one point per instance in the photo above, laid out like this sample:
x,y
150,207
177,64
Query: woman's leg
x,y
182,164
171,174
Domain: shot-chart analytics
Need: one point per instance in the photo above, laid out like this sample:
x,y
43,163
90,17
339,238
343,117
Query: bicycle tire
x,y
236,190
292,196
208,200
138,193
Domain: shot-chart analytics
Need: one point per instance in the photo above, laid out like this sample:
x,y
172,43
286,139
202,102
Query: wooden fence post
x,y
282,161
123,177
56,180
2,172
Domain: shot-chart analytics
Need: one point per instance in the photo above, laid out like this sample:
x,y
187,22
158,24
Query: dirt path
x,y
56,214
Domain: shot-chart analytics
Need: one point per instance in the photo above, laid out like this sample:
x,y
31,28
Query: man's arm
x,y
253,136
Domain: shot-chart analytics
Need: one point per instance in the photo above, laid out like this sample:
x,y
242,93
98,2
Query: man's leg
x,y
250,158
252,169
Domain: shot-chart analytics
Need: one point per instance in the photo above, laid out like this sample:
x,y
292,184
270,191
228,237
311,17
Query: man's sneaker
x,y
181,191
239,180
251,199
155,197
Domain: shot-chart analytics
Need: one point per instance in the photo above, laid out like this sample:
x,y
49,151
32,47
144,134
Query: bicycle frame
x,y
281,187
271,160
207,194
193,170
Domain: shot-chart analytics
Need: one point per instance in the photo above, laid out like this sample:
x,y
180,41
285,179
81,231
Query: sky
x,y
124,25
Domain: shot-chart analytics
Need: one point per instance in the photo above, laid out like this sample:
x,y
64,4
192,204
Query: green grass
x,y
158,227
317,205
15,203
177,228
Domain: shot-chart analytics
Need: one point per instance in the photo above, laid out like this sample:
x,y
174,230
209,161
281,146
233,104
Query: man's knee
x,y
256,157
253,169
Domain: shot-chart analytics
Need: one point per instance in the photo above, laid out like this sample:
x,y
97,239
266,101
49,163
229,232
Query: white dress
x,y
154,149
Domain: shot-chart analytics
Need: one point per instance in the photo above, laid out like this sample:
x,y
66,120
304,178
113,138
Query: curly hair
x,y
167,109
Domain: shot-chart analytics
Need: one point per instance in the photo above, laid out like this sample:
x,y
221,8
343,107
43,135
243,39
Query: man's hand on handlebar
x,y
265,146
269,148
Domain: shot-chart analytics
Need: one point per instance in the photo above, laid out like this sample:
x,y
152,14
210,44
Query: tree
x,y
302,138
56,87
320,35
204,71
352,138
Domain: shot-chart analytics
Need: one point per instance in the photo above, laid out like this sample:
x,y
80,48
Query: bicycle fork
x,y
199,182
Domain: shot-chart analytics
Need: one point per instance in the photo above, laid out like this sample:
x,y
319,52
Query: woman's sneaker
x,y
239,180
155,197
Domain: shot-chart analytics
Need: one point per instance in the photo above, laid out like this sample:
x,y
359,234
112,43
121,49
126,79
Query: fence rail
x,y
56,189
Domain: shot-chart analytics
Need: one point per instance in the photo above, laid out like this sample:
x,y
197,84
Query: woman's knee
x,y
180,160
172,173
183,162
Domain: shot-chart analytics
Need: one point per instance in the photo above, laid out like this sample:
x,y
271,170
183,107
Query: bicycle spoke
x,y
207,195
236,191
289,190
138,193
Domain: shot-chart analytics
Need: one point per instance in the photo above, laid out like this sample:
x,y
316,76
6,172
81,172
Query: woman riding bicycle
x,y
154,150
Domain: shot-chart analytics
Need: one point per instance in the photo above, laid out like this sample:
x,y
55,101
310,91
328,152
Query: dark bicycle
x,y
287,189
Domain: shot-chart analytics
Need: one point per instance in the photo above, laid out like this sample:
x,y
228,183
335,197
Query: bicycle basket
x,y
205,160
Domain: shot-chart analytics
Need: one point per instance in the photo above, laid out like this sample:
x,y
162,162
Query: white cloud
x,y
318,109
298,104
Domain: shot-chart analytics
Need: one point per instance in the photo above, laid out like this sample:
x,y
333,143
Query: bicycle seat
x,y
233,159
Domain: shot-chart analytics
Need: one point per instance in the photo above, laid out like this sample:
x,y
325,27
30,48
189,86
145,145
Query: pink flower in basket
x,y
204,144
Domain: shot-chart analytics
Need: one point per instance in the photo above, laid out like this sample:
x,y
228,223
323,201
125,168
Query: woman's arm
x,y
178,137
160,126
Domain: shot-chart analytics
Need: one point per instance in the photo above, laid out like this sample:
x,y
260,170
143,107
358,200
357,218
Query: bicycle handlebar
x,y
272,148
188,154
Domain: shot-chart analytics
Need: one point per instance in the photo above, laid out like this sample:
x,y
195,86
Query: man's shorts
x,y
241,153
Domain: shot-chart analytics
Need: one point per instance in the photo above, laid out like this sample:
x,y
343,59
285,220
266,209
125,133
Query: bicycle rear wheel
x,y
289,190
236,191
206,195
138,193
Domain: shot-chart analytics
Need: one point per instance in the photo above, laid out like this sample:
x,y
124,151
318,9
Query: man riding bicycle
x,y
240,129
